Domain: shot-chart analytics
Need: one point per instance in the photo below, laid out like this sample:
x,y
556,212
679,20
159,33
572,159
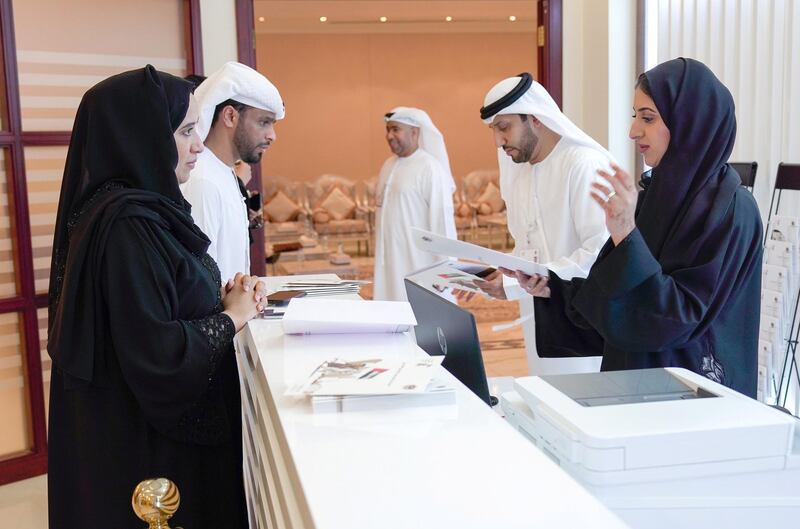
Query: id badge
x,y
530,254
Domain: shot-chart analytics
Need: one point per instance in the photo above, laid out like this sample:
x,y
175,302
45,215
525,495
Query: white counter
x,y
453,466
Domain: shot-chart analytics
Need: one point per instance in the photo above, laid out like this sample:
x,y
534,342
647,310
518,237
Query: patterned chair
x,y
368,200
370,205
285,215
336,211
465,215
482,194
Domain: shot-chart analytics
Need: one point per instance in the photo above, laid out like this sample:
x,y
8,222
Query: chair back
x,y
747,172
318,189
273,184
475,182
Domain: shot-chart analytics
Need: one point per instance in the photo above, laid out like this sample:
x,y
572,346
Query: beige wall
x,y
218,30
337,87
599,71
145,28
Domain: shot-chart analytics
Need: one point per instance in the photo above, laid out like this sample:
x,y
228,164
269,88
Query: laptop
x,y
444,328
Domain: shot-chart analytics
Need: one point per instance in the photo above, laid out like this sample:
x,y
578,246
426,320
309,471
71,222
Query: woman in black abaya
x,y
144,377
679,282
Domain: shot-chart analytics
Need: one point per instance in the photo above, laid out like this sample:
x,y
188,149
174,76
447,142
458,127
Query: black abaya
x,y
683,289
168,403
144,377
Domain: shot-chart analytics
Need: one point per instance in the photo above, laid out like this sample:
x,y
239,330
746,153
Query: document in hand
x,y
451,275
437,244
346,316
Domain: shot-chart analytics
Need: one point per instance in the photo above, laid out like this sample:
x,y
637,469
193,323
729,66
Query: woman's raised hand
x,y
618,202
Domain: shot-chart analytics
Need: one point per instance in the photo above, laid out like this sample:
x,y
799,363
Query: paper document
x,y
345,316
449,275
437,244
324,287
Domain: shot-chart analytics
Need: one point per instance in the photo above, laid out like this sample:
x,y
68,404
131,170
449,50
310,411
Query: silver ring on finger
x,y
611,195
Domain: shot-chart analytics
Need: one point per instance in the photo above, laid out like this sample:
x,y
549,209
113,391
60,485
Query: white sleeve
x,y
587,217
206,202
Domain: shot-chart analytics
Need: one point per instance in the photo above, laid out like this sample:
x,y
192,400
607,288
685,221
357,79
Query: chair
x,y
369,200
747,172
337,213
480,188
786,179
465,215
284,199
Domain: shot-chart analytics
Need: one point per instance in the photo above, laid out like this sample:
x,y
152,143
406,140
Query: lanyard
x,y
538,251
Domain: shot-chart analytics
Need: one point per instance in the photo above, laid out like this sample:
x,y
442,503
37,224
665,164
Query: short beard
x,y
527,144
400,149
245,148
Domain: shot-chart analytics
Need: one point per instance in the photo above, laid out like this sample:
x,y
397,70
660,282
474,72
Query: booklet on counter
x,y
431,242
347,316
438,393
374,384
369,376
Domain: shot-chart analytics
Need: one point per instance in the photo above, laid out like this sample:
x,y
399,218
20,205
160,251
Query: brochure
x,y
370,376
438,244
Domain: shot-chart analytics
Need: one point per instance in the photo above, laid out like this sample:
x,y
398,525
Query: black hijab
x,y
121,163
690,190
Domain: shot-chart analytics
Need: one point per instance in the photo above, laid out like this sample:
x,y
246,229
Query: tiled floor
x,y
23,505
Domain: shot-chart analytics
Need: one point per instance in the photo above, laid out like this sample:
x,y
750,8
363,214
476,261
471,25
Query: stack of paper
x,y
438,393
779,284
374,383
324,287
345,316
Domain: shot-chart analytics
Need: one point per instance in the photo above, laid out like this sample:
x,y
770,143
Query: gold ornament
x,y
155,501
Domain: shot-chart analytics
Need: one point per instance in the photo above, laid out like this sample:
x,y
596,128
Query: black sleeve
x,y
167,363
561,331
637,307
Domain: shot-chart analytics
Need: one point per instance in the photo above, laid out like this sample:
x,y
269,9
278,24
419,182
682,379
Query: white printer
x,y
617,427
666,448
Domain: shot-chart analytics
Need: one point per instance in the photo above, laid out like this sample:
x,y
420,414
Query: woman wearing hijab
x,y
144,377
678,283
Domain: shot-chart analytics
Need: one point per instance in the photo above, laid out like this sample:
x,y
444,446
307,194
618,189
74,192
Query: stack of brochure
x,y
779,285
375,383
324,287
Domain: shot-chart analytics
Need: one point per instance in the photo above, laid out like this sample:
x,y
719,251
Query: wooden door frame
x,y
550,47
549,67
27,302
246,50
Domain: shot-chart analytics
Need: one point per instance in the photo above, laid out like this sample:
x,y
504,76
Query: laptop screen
x,y
444,328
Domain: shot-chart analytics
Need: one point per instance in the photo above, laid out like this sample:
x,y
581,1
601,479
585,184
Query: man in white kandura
x,y
238,110
547,165
415,189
